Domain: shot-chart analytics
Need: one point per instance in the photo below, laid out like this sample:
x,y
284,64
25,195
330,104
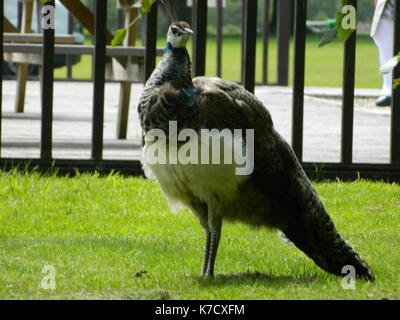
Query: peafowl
x,y
276,194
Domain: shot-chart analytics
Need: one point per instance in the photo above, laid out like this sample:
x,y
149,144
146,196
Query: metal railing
x,y
345,169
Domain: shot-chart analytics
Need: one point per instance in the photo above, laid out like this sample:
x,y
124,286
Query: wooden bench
x,y
123,69
126,66
25,35
30,58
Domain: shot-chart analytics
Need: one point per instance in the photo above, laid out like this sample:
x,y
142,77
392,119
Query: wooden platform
x,y
73,114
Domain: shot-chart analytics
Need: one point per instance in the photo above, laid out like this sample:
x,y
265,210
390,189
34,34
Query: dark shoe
x,y
384,101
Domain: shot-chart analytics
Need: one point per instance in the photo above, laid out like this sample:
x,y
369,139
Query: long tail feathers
x,y
305,221
314,233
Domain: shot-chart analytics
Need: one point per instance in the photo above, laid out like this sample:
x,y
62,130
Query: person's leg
x,y
384,40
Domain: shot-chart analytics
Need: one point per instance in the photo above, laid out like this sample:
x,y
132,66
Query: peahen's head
x,y
179,34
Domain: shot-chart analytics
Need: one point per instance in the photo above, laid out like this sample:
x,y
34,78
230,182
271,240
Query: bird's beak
x,y
188,31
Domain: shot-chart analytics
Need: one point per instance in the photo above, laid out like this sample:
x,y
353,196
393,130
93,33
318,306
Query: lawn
x,y
323,65
115,238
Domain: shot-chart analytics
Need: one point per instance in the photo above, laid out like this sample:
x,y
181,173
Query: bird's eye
x,y
174,30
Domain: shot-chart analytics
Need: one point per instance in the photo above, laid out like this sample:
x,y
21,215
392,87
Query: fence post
x,y
219,37
298,77
19,15
1,64
23,68
265,41
39,6
99,78
69,58
200,39
283,34
151,41
242,38
349,69
249,72
395,117
47,90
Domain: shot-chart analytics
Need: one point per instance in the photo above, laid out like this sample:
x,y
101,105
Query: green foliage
x,y
338,30
144,7
343,33
119,37
328,36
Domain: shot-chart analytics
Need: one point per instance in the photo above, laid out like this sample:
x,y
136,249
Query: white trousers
x,y
384,40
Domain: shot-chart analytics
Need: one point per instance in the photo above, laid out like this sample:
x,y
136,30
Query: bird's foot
x,y
207,275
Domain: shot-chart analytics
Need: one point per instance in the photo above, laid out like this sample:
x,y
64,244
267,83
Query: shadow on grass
x,y
254,277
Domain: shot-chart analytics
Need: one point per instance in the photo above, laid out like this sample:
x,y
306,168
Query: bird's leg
x,y
206,253
204,223
215,232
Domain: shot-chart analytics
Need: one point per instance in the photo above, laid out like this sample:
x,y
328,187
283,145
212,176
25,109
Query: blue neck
x,y
175,68
168,47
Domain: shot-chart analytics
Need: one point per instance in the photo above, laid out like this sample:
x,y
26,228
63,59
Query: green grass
x,y
99,233
323,65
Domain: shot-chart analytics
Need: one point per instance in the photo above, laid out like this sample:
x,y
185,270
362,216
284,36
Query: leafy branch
x,y
144,6
338,30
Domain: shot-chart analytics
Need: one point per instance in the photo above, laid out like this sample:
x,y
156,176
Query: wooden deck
x,y
73,114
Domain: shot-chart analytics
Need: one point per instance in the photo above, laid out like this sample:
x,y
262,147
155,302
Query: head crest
x,y
170,8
